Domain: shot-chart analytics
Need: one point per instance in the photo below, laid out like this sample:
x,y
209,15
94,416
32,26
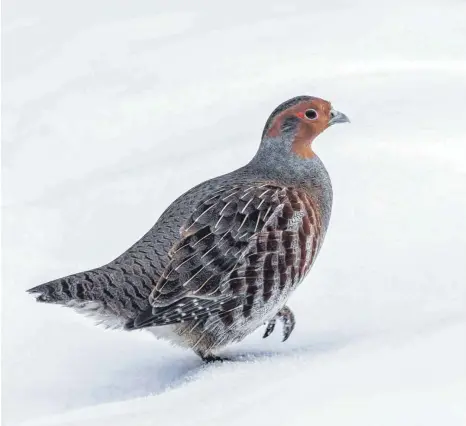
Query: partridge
x,y
223,258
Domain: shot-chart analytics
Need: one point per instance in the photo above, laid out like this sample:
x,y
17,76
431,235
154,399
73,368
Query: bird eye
x,y
311,114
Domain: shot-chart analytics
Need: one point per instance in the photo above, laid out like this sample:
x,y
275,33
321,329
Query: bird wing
x,y
240,243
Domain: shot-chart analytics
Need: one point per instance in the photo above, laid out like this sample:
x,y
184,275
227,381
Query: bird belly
x,y
172,334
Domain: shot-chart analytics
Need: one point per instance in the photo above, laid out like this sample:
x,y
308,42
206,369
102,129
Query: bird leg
x,y
286,316
209,357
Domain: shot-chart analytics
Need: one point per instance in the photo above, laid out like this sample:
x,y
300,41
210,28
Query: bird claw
x,y
286,316
214,358
209,357
288,326
270,328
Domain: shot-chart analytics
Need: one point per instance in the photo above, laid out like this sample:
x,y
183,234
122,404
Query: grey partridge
x,y
223,258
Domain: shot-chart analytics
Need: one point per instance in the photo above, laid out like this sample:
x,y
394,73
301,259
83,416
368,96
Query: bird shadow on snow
x,y
154,368
178,371
149,378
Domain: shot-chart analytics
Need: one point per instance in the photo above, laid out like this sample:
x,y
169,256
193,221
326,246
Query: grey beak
x,y
337,117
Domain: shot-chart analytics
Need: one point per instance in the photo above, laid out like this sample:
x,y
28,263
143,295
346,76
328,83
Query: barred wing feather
x,y
241,248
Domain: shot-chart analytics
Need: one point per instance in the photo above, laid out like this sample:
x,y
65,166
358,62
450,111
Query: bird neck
x,y
277,158
276,161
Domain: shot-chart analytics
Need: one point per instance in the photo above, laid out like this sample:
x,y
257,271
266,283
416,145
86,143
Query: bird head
x,y
297,122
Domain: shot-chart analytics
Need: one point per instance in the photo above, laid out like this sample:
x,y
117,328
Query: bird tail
x,y
62,291
91,293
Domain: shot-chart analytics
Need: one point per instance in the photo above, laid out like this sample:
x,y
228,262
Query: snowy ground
x,y
111,109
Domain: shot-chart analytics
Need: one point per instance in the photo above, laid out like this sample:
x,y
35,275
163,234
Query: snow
x,y
322,384
112,109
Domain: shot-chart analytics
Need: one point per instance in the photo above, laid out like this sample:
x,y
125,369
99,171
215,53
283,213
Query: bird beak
x,y
337,117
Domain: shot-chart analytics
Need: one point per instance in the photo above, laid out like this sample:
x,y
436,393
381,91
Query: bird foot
x,y
286,316
270,327
209,358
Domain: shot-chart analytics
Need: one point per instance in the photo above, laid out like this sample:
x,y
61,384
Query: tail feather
x,y
104,295
62,291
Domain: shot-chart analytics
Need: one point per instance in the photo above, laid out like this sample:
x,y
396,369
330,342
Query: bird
x,y
223,259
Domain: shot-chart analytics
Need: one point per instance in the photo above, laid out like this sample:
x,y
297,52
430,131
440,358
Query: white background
x,y
111,109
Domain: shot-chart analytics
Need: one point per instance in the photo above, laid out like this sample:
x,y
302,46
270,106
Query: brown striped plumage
x,y
224,258
244,247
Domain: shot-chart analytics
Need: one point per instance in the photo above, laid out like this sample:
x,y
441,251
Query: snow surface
x,y
112,109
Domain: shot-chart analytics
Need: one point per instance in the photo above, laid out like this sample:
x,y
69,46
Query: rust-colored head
x,y
302,119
